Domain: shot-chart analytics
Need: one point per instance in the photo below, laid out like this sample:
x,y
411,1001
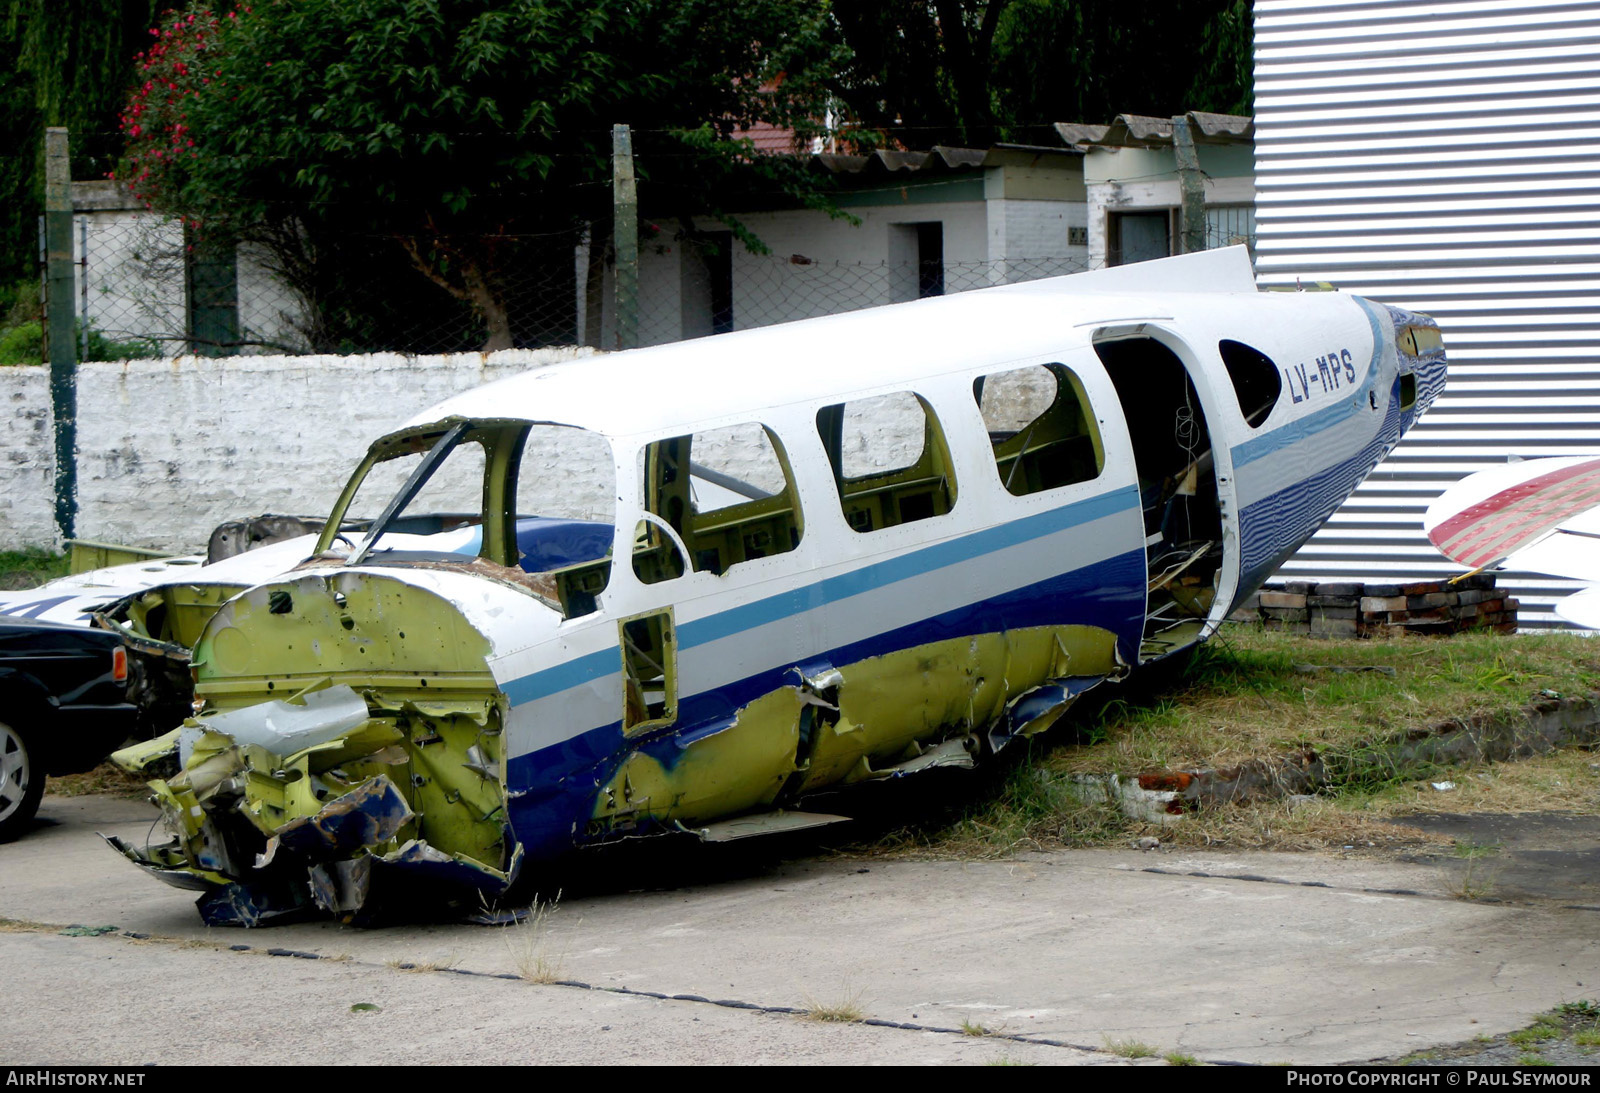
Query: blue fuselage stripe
x,y
746,617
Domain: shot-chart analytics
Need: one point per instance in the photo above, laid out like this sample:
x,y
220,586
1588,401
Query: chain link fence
x,y
149,288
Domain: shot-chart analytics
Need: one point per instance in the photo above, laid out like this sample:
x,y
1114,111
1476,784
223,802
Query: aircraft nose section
x,y
1421,366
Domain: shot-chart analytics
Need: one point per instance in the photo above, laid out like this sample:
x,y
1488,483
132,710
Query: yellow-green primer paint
x,y
863,718
434,730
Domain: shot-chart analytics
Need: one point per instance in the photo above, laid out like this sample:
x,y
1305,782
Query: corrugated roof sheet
x,y
1141,131
940,157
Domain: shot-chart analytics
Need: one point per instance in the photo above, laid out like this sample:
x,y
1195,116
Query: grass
x,y
844,1009
1245,697
1560,1036
972,1028
1130,1049
432,964
1178,1058
1537,1033
106,778
1476,883
529,944
30,568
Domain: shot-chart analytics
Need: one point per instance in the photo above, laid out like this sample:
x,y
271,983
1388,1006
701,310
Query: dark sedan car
x,y
65,704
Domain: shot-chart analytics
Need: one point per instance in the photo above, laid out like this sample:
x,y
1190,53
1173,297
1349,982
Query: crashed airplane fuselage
x,y
682,589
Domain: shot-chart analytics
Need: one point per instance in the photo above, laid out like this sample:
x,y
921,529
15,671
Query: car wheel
x,y
21,782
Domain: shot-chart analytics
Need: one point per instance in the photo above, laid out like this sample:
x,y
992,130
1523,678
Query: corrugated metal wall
x,y
1444,157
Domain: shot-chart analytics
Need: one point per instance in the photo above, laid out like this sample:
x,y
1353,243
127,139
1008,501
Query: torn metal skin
x,y
417,786
937,705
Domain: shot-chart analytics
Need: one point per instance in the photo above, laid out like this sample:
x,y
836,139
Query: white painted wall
x,y
169,449
27,467
1028,239
135,276
133,285
1140,179
817,265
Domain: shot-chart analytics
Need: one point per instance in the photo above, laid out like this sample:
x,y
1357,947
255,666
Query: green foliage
x,y
23,343
974,71
1537,1033
30,568
66,64
454,130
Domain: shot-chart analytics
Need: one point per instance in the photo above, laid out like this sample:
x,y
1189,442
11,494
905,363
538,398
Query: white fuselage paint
x,y
839,588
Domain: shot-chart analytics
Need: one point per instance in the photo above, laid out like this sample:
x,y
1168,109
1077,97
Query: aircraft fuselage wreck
x,y
682,589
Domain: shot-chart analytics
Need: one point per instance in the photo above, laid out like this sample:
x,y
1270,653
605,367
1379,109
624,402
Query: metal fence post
x,y
58,326
625,230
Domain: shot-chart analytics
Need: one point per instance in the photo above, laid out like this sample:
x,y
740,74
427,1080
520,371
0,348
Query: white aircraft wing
x,y
1539,515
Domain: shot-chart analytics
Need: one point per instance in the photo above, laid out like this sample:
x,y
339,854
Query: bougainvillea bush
x,y
450,126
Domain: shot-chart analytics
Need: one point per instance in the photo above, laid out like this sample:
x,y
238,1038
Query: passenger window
x,y
1256,381
890,460
716,499
1041,427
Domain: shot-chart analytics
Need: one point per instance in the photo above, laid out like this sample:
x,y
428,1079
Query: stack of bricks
x,y
1341,609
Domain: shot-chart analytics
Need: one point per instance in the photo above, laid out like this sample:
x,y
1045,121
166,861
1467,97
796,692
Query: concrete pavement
x,y
1254,957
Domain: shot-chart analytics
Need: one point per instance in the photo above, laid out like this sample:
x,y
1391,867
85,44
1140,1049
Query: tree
x,y
454,128
971,72
60,64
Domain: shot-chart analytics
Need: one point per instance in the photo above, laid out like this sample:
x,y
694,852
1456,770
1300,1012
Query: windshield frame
x,y
501,440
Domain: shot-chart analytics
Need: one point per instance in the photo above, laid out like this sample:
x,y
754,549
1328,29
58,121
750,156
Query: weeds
x,y
529,944
845,1009
434,964
1178,1058
972,1028
1537,1033
1246,696
30,568
1130,1049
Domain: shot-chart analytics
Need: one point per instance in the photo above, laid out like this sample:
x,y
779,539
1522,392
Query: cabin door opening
x,y
1177,489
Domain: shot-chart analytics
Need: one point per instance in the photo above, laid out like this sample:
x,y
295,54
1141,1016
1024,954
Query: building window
x,y
1230,225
